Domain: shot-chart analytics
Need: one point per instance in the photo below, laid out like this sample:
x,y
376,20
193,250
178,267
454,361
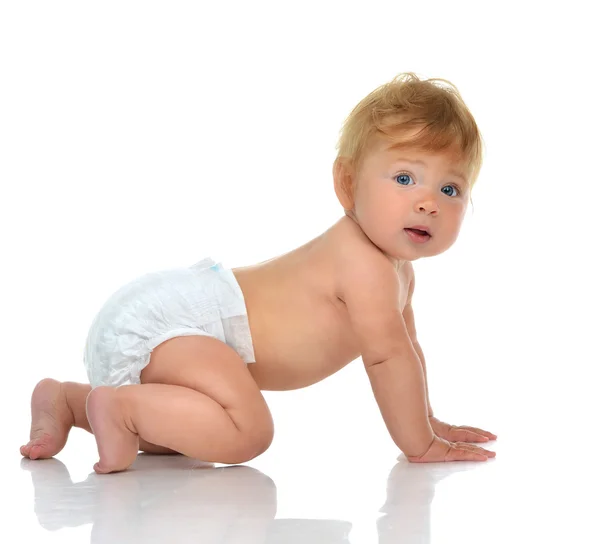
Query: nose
x,y
427,204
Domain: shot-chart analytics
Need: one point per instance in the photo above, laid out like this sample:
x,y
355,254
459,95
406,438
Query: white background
x,y
136,136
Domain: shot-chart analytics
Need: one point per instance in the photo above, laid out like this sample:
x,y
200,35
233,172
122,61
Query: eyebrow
x,y
417,161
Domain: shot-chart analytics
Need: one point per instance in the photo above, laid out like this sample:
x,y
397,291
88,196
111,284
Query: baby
x,y
177,359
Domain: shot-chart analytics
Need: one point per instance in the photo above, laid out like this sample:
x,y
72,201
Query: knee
x,y
251,444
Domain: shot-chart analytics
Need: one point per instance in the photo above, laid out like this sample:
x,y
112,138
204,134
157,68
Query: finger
x,y
487,434
464,434
458,453
475,449
479,451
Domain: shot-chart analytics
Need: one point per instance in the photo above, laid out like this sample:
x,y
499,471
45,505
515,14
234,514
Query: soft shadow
x,y
172,499
410,492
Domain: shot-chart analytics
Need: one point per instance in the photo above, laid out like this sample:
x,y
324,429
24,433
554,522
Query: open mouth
x,y
418,235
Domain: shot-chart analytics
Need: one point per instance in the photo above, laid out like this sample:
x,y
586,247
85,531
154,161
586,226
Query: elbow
x,y
398,355
377,362
372,363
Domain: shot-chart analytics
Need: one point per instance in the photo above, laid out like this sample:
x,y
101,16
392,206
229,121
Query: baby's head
x,y
378,178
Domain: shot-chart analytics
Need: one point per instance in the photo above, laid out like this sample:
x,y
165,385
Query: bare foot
x,y
117,445
51,421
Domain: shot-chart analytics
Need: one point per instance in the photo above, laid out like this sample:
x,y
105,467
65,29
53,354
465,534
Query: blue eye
x,y
405,176
451,187
405,179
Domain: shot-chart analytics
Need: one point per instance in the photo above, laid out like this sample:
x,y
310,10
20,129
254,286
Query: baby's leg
x,y
197,397
55,408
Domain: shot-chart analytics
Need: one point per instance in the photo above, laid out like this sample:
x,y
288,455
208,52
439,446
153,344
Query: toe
x,y
34,452
26,449
39,449
99,469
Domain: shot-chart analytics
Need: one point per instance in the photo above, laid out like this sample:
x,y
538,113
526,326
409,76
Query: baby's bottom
x,y
197,398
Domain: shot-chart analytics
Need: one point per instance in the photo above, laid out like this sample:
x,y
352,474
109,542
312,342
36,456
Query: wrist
x,y
417,456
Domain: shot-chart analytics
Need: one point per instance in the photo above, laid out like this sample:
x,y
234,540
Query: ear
x,y
343,182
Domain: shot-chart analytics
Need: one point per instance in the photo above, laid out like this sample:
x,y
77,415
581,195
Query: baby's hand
x,y
441,451
461,433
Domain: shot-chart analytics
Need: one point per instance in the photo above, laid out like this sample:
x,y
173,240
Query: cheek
x,y
456,208
456,215
368,198
388,207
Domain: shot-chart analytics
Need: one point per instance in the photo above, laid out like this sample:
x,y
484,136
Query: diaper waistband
x,y
205,263
233,303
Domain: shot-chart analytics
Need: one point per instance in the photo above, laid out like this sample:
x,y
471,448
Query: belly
x,y
300,343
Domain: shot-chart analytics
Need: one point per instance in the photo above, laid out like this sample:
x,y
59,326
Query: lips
x,y
420,229
418,234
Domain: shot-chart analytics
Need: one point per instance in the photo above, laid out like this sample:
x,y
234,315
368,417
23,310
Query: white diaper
x,y
204,300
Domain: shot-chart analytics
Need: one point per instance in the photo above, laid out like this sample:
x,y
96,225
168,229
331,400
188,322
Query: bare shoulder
x,y
373,290
358,261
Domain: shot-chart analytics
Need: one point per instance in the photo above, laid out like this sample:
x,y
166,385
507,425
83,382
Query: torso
x,y
299,323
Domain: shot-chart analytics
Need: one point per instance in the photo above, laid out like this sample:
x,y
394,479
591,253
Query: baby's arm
x,y
371,289
462,433
409,319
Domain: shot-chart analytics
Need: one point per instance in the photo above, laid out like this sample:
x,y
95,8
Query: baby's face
x,y
394,191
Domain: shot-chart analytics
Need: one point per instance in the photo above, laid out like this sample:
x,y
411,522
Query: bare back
x,y
299,322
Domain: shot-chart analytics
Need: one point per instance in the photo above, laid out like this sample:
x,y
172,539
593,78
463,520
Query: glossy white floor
x,y
332,475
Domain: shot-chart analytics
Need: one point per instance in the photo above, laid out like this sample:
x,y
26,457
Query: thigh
x,y
207,365
154,449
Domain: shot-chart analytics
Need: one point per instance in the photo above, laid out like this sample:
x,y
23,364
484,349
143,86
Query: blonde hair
x,y
394,110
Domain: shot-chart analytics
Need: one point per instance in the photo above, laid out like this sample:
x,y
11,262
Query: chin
x,y
424,253
439,251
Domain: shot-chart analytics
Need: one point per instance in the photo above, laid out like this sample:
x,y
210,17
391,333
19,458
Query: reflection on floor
x,y
161,495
